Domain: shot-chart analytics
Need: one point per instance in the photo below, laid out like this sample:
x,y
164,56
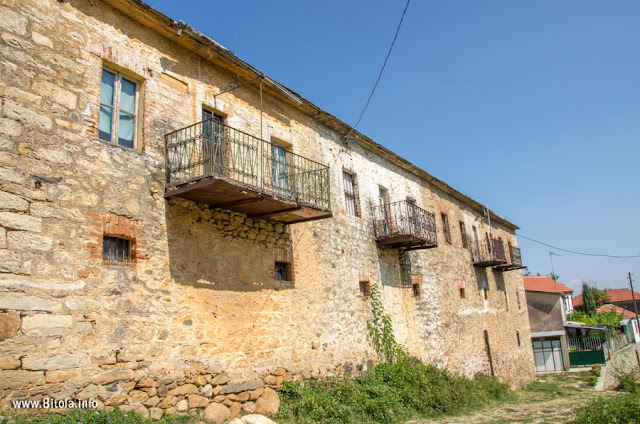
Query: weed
x,y
620,409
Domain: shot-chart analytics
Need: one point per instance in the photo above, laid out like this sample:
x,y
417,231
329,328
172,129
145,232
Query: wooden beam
x,y
226,205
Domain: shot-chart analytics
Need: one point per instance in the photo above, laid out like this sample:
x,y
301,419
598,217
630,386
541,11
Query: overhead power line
x,y
384,64
580,253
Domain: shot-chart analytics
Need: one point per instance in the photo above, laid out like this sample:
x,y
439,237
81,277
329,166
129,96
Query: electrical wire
x,y
383,65
579,253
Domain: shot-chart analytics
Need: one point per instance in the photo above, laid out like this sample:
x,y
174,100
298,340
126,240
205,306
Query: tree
x,y
592,298
588,300
554,277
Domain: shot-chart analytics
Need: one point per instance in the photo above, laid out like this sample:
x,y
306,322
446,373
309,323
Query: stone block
x,y
113,375
156,414
19,379
18,221
56,93
17,302
186,389
11,202
47,324
216,413
3,238
9,325
197,401
59,376
241,387
256,419
22,240
55,362
9,363
10,128
41,40
13,22
268,403
220,379
29,117
182,406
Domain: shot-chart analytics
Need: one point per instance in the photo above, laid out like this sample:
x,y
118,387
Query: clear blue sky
x,y
530,107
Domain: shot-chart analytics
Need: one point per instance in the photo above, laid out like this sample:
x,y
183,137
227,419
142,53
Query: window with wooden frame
x,y
116,249
351,198
445,228
119,98
463,236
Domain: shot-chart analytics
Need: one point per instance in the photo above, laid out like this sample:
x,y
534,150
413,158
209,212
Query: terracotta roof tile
x,y
615,295
544,284
625,313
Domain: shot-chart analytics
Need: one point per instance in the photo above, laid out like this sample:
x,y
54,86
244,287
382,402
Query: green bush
x,y
592,380
84,416
621,409
389,393
628,380
596,370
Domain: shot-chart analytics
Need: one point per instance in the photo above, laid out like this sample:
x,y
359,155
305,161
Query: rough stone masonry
x,y
195,318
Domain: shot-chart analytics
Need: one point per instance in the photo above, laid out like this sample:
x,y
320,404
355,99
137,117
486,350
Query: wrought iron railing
x,y
404,218
584,343
514,254
210,148
488,251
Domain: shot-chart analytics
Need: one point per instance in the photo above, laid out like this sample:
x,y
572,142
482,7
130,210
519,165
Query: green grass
x,y
621,409
387,394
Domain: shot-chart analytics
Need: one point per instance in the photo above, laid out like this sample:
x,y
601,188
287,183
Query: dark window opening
x,y
462,293
282,271
115,249
486,294
518,338
365,289
518,300
463,235
417,292
445,228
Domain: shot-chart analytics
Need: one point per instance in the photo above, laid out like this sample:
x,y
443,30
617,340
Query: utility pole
x,y
635,307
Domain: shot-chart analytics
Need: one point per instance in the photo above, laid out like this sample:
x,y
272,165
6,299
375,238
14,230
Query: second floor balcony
x,y
404,225
488,252
226,168
514,261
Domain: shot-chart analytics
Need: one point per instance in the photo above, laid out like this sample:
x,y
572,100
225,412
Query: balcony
x,y
404,225
212,163
488,253
515,261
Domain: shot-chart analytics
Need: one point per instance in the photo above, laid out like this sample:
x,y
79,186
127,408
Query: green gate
x,y
583,358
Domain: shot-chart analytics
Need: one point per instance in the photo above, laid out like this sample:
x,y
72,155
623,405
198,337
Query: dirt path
x,y
551,399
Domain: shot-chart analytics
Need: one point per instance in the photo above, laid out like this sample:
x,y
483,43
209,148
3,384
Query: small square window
x,y
282,271
417,291
462,293
365,289
116,249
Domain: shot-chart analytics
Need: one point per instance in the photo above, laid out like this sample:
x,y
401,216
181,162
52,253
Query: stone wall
x,y
199,299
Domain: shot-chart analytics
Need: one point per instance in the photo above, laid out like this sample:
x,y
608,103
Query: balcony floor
x,y
488,263
406,241
219,192
508,267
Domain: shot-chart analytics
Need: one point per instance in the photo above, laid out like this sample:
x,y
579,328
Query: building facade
x,y
546,304
179,230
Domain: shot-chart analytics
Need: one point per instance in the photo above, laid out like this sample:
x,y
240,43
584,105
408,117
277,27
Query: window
x,y
115,249
417,291
280,168
118,109
351,194
282,271
518,300
445,228
213,145
518,338
485,291
463,235
383,196
365,289
462,293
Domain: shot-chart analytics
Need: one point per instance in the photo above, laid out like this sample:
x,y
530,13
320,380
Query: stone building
x,y
179,230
